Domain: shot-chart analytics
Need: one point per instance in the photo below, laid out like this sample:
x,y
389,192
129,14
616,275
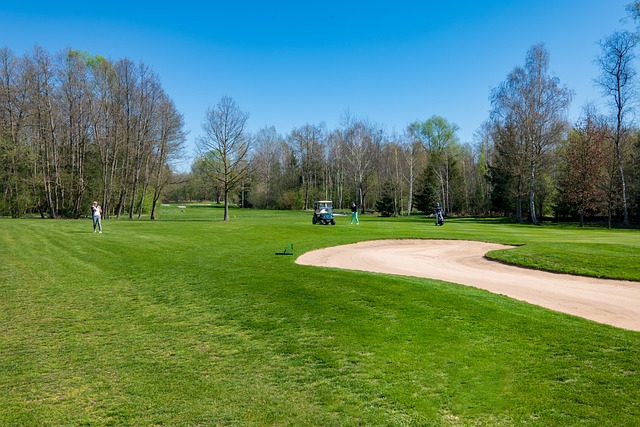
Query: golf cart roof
x,y
324,201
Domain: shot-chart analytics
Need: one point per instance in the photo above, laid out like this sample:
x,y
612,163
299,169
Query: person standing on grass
x,y
96,215
354,213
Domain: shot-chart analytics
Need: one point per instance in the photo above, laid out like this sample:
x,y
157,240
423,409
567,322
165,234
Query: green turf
x,y
190,321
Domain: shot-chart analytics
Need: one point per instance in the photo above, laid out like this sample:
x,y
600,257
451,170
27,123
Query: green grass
x,y
189,321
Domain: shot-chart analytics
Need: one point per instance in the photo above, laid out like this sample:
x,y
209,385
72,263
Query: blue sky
x,y
288,63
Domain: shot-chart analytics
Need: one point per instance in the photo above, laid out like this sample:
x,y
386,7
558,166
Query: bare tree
x,y
414,154
16,171
42,122
266,159
362,147
307,143
336,158
535,105
585,163
125,98
169,142
105,127
75,125
617,82
147,94
225,145
483,156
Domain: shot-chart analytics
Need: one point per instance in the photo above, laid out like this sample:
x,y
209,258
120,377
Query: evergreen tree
x,y
386,205
425,197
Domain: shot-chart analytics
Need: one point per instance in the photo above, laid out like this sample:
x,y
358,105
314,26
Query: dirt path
x,y
613,302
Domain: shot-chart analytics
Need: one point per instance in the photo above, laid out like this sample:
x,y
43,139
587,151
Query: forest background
x,y
75,127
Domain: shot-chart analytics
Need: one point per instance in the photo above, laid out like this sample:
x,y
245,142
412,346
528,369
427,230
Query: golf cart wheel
x,y
333,222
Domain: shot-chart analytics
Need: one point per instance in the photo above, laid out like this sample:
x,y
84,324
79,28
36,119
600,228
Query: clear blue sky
x,y
288,63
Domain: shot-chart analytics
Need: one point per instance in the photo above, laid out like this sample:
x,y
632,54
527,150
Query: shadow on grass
x,y
420,218
204,206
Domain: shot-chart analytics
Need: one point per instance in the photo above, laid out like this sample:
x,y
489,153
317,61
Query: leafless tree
x,y
225,145
336,158
534,105
483,155
308,143
76,118
616,79
266,158
583,177
15,154
106,128
168,145
362,142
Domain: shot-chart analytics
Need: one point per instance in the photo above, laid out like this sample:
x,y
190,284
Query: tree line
x,y
357,162
76,127
526,160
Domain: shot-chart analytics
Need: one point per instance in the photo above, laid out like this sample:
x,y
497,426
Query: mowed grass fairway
x,y
189,321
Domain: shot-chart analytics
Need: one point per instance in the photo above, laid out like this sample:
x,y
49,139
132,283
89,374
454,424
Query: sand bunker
x,y
614,302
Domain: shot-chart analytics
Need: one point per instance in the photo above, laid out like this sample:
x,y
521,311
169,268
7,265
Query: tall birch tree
x,y
535,105
617,81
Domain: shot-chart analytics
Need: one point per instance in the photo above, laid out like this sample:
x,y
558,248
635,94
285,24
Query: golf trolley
x,y
439,216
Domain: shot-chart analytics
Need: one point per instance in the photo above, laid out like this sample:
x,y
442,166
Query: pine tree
x,y
425,197
386,205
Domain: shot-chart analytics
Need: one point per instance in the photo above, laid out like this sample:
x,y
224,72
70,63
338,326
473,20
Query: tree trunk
x,y
532,195
519,209
410,196
625,210
226,204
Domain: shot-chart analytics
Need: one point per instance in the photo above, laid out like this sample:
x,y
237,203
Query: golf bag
x,y
439,216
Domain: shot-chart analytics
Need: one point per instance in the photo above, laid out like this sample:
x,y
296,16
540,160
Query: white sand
x,y
613,302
